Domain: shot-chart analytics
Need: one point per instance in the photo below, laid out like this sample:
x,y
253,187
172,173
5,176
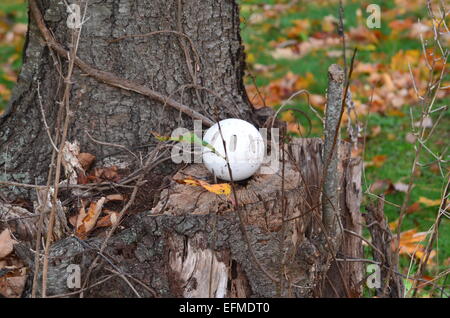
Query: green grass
x,y
391,141
11,12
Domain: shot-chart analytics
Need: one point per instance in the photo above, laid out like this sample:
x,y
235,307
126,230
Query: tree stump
x,y
191,244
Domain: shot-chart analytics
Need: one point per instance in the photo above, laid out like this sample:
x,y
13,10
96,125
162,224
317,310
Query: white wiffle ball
x,y
245,149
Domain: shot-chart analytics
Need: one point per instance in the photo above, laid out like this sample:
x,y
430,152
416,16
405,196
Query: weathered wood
x,y
383,240
351,247
332,173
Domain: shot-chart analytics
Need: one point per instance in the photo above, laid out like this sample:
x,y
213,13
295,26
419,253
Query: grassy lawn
x,y
267,28
13,19
290,47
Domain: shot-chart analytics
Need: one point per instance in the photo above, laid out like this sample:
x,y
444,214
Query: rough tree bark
x,y
182,247
163,62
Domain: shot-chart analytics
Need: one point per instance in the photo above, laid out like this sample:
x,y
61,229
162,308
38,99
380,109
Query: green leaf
x,y
191,138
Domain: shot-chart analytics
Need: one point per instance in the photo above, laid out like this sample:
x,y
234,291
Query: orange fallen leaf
x,y
402,60
89,220
108,220
220,188
300,27
413,208
377,161
412,244
13,282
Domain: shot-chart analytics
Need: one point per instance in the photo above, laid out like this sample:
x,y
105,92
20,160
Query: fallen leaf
x,y
402,59
381,187
6,243
401,187
220,188
108,220
114,197
410,138
428,202
317,101
427,122
377,161
285,53
362,34
13,282
301,27
86,160
375,131
412,243
89,220
413,208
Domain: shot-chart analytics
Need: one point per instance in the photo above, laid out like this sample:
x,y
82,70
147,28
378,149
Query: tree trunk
x,y
209,55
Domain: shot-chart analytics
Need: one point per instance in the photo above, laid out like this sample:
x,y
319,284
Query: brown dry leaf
x,y
21,222
402,60
285,53
377,161
296,129
5,92
81,215
317,101
329,23
108,220
375,131
382,186
20,28
86,160
73,220
364,35
303,82
255,96
395,113
412,243
413,208
393,225
13,283
435,168
300,27
368,68
6,243
89,220
220,188
398,26
104,174
114,197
